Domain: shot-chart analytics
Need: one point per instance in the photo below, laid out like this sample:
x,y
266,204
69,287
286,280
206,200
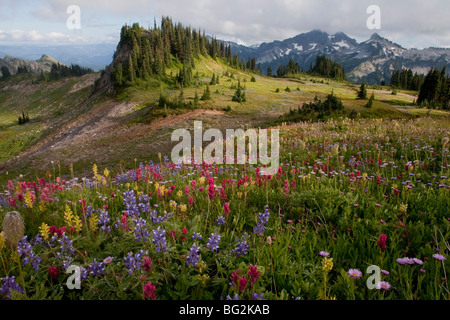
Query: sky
x,y
412,24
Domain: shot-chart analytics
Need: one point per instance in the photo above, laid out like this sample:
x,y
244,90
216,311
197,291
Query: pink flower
x,y
147,265
226,209
53,272
439,257
355,273
384,285
149,291
324,254
254,274
242,284
382,242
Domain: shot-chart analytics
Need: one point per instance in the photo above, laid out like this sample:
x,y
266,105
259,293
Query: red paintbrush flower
x,y
53,272
382,242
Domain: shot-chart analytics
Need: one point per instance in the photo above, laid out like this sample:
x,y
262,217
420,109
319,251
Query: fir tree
x,y
370,102
206,94
362,93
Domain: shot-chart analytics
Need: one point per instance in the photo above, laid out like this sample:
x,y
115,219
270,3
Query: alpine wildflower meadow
x,y
348,194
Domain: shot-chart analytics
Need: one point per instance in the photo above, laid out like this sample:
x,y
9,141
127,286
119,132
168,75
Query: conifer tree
x,y
362,93
206,94
370,102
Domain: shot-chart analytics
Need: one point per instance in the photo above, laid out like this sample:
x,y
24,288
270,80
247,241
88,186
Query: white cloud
x,y
416,23
17,35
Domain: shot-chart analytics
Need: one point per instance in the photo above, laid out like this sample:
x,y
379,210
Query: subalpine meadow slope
x,y
70,126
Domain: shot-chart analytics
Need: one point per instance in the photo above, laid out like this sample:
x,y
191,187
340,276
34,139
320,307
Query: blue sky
x,y
410,23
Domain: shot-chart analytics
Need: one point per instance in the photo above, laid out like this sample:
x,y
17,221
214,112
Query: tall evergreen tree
x,y
362,93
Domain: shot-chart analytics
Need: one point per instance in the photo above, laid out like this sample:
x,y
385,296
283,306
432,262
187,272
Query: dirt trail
x,y
99,130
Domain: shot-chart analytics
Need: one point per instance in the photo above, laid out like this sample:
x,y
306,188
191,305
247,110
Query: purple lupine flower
x,y
141,231
96,268
354,273
221,221
242,245
9,284
196,235
84,273
157,220
236,297
264,216
256,296
25,250
66,249
193,257
259,228
213,242
129,201
37,240
133,262
159,238
104,221
439,257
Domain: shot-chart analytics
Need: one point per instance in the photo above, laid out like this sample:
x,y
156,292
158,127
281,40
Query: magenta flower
x,y
149,291
423,270
384,285
405,260
417,261
324,254
385,272
354,273
439,257
382,242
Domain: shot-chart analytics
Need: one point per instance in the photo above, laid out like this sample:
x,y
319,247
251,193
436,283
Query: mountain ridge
x,y
43,64
373,60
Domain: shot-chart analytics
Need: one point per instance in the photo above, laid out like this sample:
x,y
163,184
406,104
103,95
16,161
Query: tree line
x,y
405,79
323,67
153,50
435,90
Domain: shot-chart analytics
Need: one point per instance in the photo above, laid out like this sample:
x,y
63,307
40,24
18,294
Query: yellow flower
x,y
183,207
68,216
201,266
106,172
327,264
127,185
93,222
239,194
403,207
28,200
44,230
94,170
77,223
179,193
203,279
156,185
172,204
2,241
42,205
201,180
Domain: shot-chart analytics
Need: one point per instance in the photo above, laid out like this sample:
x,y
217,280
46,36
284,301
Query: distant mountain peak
x,y
376,36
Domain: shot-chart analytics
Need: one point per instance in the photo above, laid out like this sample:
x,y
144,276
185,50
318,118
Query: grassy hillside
x,y
113,130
